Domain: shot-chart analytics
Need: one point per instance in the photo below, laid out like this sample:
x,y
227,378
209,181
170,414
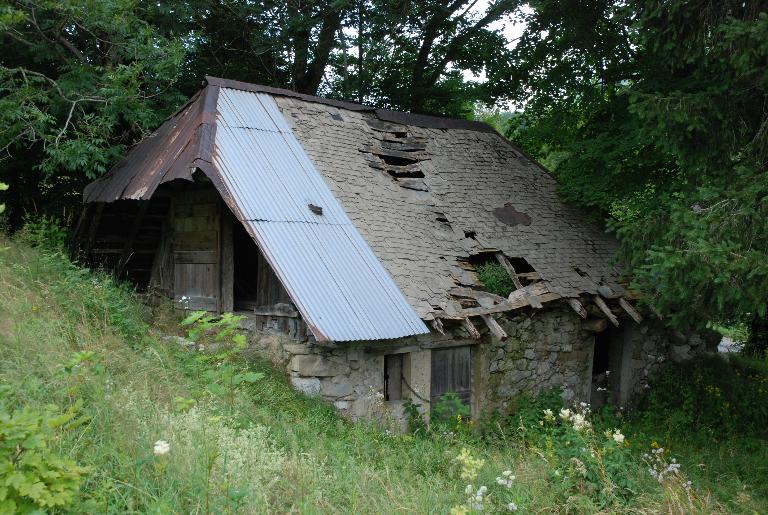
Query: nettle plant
x,y
221,343
34,478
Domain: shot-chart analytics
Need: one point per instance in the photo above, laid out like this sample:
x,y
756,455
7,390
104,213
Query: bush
x,y
32,476
716,395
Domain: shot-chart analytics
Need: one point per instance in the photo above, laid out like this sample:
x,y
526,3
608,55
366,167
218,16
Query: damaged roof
x,y
411,199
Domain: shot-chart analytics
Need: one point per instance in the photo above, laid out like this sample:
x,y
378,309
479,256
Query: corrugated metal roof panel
x,y
337,283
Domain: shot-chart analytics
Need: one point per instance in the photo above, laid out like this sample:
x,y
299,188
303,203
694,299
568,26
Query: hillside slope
x,y
78,340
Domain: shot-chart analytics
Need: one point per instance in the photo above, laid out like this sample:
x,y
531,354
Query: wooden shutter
x,y
451,372
196,249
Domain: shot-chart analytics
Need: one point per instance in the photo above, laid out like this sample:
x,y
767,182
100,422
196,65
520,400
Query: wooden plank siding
x,y
196,220
451,372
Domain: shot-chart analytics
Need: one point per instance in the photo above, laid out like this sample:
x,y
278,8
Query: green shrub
x,y
495,278
33,477
716,395
47,232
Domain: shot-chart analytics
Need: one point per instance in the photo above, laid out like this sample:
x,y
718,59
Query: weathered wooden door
x,y
451,372
196,249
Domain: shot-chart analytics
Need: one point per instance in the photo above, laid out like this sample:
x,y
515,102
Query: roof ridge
x,y
388,115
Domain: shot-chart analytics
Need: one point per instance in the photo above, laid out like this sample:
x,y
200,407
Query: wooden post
x,y
532,299
606,310
631,311
494,327
578,308
227,260
471,329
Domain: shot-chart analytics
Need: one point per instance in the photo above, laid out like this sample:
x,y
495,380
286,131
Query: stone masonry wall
x,y
545,349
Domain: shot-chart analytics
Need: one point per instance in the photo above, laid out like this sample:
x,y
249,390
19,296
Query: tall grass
x,y
71,335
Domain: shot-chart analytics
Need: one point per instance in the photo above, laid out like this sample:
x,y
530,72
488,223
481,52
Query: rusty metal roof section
x,y
341,289
180,146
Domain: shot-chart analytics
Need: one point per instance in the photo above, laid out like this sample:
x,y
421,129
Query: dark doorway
x,y
606,367
246,261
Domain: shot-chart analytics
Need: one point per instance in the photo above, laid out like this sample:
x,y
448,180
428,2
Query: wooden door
x,y
451,372
196,249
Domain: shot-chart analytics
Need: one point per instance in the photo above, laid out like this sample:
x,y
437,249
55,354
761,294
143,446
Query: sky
x,y
511,26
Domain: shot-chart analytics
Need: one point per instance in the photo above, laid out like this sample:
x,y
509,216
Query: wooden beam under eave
x,y
471,329
631,311
532,299
600,303
517,300
437,325
494,327
578,307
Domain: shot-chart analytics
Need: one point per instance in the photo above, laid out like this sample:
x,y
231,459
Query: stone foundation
x,y
545,349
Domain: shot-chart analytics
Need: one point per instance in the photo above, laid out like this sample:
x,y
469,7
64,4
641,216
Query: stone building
x,y
351,238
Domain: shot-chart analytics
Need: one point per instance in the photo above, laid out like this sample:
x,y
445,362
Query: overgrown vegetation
x,y
495,279
152,425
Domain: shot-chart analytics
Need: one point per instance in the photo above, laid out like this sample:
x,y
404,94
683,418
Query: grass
x,y
70,335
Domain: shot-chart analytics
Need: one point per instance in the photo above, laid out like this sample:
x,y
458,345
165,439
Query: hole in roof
x,y
580,272
397,160
470,234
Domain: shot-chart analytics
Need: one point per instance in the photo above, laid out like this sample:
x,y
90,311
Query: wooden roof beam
x,y
630,310
600,303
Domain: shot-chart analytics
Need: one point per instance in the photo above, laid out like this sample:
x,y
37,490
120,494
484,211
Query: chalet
x,y
351,237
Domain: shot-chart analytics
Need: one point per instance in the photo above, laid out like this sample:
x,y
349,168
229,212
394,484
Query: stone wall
x,y
545,349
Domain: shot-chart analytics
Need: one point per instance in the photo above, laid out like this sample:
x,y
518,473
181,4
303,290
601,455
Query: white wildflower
x,y
565,414
161,448
506,479
512,506
580,422
618,437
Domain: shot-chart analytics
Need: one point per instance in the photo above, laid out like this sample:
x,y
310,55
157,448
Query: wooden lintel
x,y
595,325
531,276
437,325
498,308
471,329
578,308
475,294
631,311
494,327
600,303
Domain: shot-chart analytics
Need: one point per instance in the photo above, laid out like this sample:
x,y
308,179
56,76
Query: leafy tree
x,y
409,56
654,115
80,81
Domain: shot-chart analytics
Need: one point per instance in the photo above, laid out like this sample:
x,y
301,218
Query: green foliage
x,y
713,395
450,413
495,278
45,231
3,187
222,368
34,477
654,121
